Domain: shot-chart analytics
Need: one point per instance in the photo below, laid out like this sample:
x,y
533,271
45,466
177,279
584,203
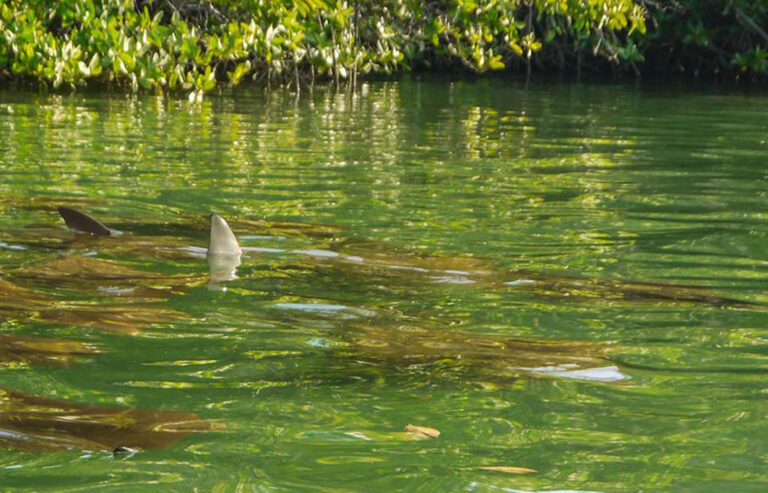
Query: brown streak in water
x,y
14,298
127,319
86,268
35,423
375,257
43,203
105,277
275,228
633,291
405,266
50,237
408,345
39,350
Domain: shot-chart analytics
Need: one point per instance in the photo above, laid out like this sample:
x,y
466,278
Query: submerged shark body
x,y
224,256
382,343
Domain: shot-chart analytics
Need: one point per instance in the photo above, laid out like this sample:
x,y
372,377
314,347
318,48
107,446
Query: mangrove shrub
x,y
183,45
174,45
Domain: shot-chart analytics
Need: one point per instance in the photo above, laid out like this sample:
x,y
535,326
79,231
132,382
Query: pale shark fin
x,y
223,253
79,221
222,240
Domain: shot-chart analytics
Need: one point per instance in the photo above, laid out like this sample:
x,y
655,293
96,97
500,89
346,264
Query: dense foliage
x,y
707,37
193,46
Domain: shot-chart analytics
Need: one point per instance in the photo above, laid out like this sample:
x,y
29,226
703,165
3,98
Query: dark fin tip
x,y
79,221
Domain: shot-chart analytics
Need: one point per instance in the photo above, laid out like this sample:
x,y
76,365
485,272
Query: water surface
x,y
569,278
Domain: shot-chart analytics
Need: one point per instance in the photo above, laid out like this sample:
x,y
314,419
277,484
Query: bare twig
x,y
335,61
296,74
530,30
759,30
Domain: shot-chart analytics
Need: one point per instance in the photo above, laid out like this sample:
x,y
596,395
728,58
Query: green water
x,y
569,279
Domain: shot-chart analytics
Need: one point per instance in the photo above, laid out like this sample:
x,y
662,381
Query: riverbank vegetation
x,y
185,45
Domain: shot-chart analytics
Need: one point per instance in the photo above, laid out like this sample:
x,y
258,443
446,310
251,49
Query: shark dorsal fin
x,y
222,240
79,221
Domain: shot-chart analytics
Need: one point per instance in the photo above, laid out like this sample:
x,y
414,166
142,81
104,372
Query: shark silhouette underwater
x,y
224,252
224,256
387,344
35,423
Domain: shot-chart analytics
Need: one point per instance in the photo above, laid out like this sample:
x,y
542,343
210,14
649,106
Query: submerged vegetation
x,y
175,45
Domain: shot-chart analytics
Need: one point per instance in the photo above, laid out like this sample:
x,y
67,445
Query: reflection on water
x,y
222,268
569,279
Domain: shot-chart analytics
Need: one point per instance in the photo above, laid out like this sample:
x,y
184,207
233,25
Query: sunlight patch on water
x,y
602,374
